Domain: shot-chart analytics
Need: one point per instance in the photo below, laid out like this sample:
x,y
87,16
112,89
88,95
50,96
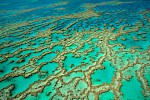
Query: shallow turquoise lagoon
x,y
102,76
74,49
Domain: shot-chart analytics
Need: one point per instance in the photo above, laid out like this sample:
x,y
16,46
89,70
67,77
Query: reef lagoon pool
x,y
74,49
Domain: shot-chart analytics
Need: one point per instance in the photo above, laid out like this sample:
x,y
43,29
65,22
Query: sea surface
x,y
74,49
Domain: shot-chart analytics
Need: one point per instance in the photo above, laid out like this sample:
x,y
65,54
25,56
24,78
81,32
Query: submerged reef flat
x,y
75,50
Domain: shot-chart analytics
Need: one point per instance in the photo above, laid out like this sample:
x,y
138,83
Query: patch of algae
x,y
86,14
89,13
76,87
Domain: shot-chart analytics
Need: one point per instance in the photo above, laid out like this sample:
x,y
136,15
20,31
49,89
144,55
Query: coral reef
x,y
93,52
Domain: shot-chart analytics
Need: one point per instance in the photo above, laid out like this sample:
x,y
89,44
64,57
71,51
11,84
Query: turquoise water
x,y
75,49
102,76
